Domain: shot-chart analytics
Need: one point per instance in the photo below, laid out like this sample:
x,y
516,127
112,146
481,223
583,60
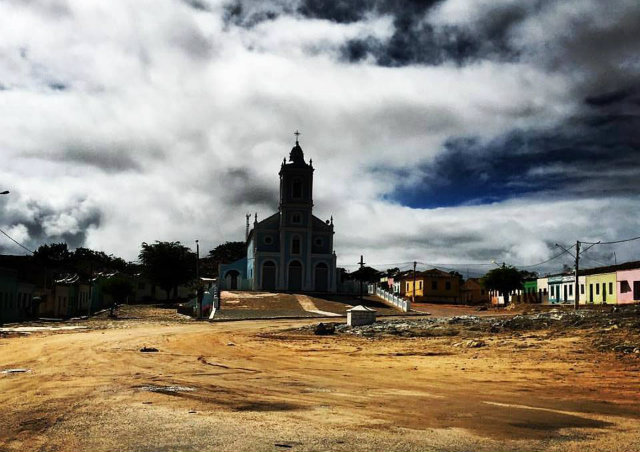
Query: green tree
x,y
119,287
167,264
225,253
54,253
392,272
504,279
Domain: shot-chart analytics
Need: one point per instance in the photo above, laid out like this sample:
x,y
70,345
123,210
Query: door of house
x,y
565,292
604,293
636,290
295,276
591,293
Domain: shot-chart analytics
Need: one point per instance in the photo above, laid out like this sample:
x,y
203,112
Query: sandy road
x,y
242,387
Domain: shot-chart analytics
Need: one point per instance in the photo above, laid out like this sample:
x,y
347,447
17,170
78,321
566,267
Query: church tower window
x,y
296,189
295,245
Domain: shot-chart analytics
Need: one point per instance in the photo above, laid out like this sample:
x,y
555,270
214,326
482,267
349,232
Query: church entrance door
x,y
295,276
321,277
269,276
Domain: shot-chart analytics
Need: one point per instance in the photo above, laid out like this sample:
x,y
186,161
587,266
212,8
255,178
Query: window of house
x,y
610,288
447,285
296,190
570,290
318,241
408,287
434,285
597,289
268,240
295,245
625,286
582,289
420,285
296,218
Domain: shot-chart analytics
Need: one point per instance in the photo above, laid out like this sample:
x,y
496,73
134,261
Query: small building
x,y
16,297
628,286
601,288
433,286
543,289
561,288
473,292
360,315
530,291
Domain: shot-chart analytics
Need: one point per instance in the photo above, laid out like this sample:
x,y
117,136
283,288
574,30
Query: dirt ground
x,y
274,385
238,305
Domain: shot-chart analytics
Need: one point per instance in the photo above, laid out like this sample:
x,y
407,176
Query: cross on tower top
x,y
297,134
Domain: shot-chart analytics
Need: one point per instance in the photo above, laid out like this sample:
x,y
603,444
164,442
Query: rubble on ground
x,y
603,321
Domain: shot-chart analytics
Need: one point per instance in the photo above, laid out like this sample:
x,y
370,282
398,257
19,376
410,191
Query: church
x,y
292,250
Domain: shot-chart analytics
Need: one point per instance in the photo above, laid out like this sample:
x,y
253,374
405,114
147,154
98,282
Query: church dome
x,y
296,155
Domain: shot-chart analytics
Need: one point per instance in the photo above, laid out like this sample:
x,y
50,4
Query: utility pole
x,y
361,275
199,288
413,292
577,285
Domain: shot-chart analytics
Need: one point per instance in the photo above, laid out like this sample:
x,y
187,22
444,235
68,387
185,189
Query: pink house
x,y
628,286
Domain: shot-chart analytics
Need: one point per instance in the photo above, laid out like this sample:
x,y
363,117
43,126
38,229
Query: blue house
x,y
291,250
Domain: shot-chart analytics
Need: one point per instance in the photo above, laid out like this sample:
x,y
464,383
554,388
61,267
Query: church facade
x,y
291,250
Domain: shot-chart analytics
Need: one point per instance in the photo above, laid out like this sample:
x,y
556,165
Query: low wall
x,y
401,303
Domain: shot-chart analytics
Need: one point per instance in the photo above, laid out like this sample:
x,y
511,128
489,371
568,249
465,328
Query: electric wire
x,y
16,242
612,242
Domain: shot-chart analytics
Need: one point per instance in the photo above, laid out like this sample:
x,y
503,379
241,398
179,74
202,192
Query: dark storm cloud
x,y
414,39
46,224
243,187
198,5
595,155
106,159
247,14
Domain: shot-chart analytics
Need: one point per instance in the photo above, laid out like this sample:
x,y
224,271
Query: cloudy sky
x,y
450,132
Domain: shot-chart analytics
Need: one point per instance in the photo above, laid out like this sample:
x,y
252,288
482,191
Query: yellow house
x,y
433,285
601,288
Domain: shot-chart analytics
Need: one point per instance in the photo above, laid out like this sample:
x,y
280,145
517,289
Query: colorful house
x,y
628,286
433,285
561,288
543,289
601,288
530,291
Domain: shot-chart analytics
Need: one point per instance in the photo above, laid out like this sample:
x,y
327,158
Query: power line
x,y
615,241
543,262
16,242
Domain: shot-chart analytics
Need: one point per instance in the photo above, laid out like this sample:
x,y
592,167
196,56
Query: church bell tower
x,y
296,188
